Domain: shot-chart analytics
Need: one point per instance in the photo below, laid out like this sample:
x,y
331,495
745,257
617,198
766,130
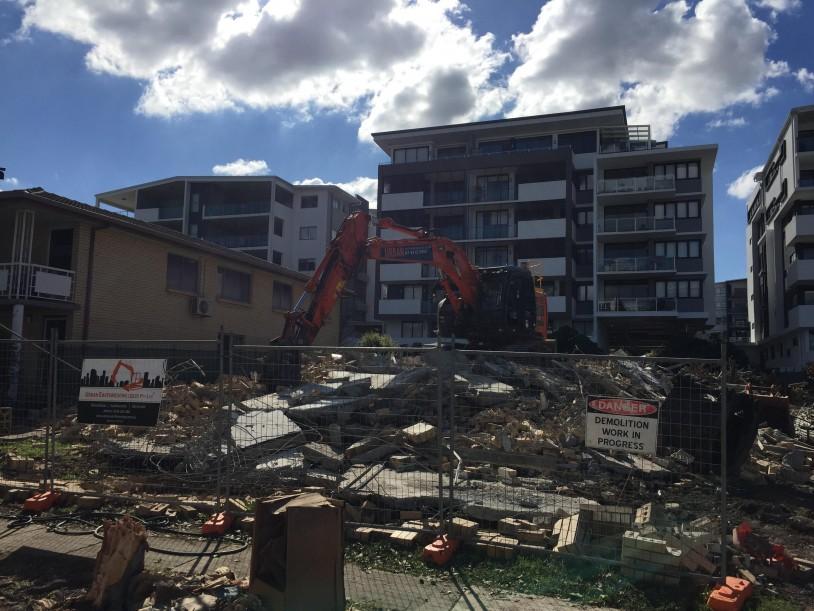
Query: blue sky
x,y
96,95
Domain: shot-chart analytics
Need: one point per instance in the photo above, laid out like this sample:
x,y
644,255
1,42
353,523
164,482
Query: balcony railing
x,y
240,241
639,264
497,193
457,232
488,232
236,208
176,212
31,281
638,223
638,304
637,184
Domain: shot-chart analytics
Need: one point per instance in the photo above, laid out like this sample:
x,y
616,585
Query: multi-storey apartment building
x,y
780,247
618,225
731,312
264,216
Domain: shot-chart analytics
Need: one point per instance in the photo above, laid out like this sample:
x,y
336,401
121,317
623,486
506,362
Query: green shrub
x,y
373,339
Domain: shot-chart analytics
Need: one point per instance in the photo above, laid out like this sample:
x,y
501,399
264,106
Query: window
x,y
683,250
402,291
584,255
306,265
492,224
811,340
533,143
276,257
585,217
492,188
308,232
682,289
283,196
309,201
281,296
585,181
182,274
278,226
491,256
234,285
494,146
585,292
580,142
410,155
412,328
681,171
451,151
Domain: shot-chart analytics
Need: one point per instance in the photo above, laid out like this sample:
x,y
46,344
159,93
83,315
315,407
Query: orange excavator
x,y
495,306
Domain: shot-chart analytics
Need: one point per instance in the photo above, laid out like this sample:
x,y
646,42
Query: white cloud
x,y
663,63
780,6
361,185
806,79
241,167
726,121
11,182
743,185
388,63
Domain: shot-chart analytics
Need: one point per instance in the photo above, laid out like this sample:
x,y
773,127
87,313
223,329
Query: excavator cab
x,y
507,309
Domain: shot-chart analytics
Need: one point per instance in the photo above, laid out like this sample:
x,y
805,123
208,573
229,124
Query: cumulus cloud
x,y
388,63
780,6
241,167
10,182
743,185
361,185
662,62
806,79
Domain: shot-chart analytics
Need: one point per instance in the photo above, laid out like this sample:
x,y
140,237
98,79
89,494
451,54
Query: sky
x,y
97,95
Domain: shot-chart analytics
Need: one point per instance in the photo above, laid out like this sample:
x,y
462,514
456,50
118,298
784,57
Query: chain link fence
x,y
490,446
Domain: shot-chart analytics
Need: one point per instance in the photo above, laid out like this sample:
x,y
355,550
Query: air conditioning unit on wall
x,y
201,306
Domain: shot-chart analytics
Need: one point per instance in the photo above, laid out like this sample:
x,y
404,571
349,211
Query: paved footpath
x,y
38,551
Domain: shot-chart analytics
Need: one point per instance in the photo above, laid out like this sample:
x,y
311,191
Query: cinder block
x,y
462,529
405,538
571,533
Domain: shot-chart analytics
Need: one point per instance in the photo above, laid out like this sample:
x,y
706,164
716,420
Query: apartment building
x,y
618,225
263,216
780,248
731,311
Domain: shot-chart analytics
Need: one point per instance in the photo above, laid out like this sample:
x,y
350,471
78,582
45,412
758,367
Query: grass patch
x,y
770,602
32,448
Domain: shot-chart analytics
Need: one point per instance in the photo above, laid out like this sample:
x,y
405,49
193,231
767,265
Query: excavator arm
x,y
351,246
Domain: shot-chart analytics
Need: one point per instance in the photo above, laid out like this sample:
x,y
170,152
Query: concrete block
x,y
571,533
419,433
404,538
462,529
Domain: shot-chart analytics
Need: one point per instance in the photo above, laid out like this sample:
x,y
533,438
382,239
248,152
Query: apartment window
x,y
811,340
450,192
278,226
491,256
401,291
584,255
585,181
679,288
306,265
681,171
412,328
494,146
182,274
450,151
683,250
409,155
580,142
309,201
534,143
283,196
492,188
276,257
585,217
234,285
681,210
308,232
585,292
281,296
492,224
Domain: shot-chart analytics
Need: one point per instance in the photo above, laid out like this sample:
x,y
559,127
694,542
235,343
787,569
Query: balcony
x,y
453,232
31,281
405,306
537,191
801,226
259,240
541,228
493,232
399,272
151,215
643,185
546,267
498,192
636,224
236,209
402,201
635,306
626,265
801,316
801,270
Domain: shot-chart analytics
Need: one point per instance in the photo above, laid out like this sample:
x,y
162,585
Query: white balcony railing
x,y
637,184
638,223
31,281
639,264
638,304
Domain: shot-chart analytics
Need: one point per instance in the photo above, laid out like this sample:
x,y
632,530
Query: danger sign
x,y
621,423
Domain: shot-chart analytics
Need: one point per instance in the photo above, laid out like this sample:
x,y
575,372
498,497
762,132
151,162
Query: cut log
x,y
120,559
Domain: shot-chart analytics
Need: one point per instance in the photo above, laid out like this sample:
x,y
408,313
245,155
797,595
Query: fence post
x,y
53,379
218,425
724,466
440,436
450,377
227,430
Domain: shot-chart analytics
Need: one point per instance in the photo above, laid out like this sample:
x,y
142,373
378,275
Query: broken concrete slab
x,y
286,463
419,433
323,455
308,393
272,430
338,409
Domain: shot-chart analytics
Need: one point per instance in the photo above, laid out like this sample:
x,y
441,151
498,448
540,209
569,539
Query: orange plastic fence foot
x,y
731,595
42,501
218,524
441,550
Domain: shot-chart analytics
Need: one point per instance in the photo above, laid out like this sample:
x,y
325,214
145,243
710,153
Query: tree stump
x,y
120,559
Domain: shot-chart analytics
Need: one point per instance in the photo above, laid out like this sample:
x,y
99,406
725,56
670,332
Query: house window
x,y
309,201
585,181
182,274
492,188
684,249
679,288
281,296
585,292
585,217
283,196
681,171
276,257
234,285
308,232
306,265
410,155
412,328
450,151
278,226
491,256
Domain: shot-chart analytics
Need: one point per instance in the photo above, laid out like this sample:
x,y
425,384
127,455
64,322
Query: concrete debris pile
x,y
782,458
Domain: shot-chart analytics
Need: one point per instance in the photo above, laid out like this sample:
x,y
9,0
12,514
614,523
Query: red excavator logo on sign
x,y
134,383
623,407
